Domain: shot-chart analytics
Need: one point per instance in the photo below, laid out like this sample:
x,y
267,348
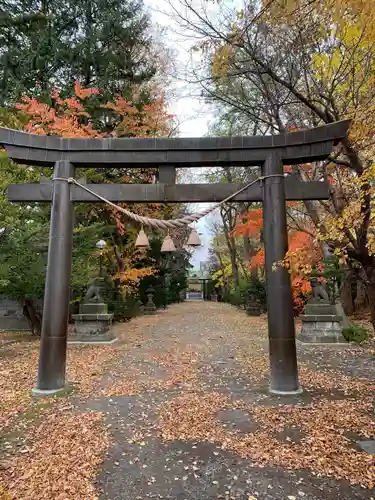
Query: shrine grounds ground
x,y
178,408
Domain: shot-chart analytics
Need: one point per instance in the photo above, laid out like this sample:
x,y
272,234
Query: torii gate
x,y
269,152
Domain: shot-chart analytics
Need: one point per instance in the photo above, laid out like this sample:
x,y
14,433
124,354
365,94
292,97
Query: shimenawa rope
x,y
166,224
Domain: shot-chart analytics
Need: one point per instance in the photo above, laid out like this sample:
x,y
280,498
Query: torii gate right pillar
x,y
281,330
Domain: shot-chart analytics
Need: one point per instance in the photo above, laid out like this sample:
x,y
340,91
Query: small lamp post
x,y
101,244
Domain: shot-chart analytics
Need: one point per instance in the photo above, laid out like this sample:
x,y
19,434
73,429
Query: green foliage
x,y
234,297
240,296
258,288
23,260
334,273
178,283
101,43
171,278
85,258
355,333
123,308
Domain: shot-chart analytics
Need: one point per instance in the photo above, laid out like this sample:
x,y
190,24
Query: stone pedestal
x,y
14,323
150,307
92,324
252,306
321,324
253,309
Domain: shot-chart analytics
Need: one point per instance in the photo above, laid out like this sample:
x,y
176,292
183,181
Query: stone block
x,y
253,310
14,324
323,318
317,309
92,328
93,308
150,307
321,329
340,312
367,446
149,310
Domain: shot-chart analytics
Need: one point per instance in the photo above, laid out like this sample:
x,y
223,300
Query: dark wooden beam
x,y
152,158
167,174
171,193
292,148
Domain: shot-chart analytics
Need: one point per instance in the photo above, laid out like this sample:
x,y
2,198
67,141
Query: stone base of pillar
x,y
285,393
46,393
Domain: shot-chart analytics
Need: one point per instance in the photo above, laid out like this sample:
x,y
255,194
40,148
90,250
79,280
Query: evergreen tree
x,y
46,43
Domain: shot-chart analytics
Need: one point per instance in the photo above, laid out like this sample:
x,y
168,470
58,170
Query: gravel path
x,y
191,418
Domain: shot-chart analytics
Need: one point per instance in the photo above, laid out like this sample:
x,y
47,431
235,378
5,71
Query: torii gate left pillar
x,y
269,152
52,360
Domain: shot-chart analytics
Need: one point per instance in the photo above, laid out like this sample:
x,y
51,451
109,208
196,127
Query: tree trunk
x,y
370,274
234,265
33,317
254,273
346,295
361,300
247,248
371,297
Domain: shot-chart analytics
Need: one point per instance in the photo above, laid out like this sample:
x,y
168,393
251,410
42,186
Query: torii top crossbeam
x,y
292,148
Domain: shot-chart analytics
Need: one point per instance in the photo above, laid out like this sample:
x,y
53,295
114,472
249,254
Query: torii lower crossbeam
x,y
269,152
172,193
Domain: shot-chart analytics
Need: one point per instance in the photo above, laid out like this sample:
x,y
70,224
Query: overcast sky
x,y
193,114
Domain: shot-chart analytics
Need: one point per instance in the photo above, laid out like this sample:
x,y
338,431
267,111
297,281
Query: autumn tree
x,y
303,256
294,65
70,117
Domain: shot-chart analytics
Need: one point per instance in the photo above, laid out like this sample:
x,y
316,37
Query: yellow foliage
x,y
342,38
222,275
132,276
221,60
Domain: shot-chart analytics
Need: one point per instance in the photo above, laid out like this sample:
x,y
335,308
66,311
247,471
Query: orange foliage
x,y
148,121
84,93
306,167
302,253
252,223
300,240
66,117
300,290
69,118
301,256
258,259
331,180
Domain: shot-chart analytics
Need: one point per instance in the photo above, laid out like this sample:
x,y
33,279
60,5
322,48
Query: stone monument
x,y
150,307
320,322
252,305
93,323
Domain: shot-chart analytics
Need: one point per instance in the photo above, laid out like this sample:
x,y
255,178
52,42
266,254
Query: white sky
x,y
193,114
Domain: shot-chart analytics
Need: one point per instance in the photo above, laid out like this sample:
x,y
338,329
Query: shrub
x,y
258,288
240,296
354,333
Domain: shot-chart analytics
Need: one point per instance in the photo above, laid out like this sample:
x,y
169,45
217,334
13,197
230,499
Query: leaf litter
x,y
72,446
